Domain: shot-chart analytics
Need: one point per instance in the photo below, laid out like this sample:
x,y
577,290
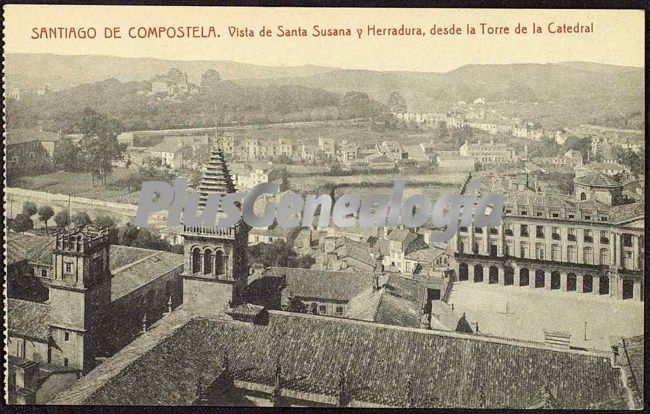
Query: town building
x,y
488,153
25,145
591,242
393,150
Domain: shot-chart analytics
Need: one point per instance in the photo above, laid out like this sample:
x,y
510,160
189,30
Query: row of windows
x,y
571,255
557,214
540,233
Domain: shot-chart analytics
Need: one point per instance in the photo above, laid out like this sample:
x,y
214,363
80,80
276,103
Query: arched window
x,y
493,275
524,277
478,273
207,262
555,280
196,260
571,282
583,196
539,278
218,263
604,285
509,277
463,273
587,284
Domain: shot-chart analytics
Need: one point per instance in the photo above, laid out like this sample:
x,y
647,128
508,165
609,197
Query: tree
x,y
295,305
81,219
62,219
396,102
66,156
107,223
22,223
210,79
127,234
44,214
99,143
29,208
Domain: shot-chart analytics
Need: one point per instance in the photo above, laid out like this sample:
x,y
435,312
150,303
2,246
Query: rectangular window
x,y
556,253
571,235
571,254
539,232
67,267
588,236
555,233
322,309
339,310
65,362
66,336
43,273
523,232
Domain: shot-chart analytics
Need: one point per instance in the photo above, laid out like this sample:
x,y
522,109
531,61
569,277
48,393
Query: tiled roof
x,y
21,246
326,284
19,136
445,369
597,179
148,266
635,350
28,319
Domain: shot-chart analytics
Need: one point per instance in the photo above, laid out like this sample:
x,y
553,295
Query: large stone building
x,y
592,242
74,299
488,152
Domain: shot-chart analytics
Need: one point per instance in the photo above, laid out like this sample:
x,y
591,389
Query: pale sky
x,y
618,36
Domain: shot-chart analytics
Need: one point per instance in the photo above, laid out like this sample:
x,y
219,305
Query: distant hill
x,y
25,70
567,92
571,81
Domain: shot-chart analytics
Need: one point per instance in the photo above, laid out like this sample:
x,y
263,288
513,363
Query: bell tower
x,y
215,270
79,292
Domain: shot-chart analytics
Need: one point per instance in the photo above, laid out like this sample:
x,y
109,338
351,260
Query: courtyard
x,y
525,313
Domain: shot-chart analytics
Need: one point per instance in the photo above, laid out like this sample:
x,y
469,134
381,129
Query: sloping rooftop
x,y
326,284
145,267
597,179
22,135
445,369
28,319
21,246
634,348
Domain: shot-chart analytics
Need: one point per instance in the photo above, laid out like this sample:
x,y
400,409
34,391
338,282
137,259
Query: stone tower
x,y
215,270
80,291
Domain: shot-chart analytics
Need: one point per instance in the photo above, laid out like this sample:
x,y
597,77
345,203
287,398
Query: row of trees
x,y
126,235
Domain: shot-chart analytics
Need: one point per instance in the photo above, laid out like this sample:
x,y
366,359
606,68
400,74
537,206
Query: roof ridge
x,y
135,262
459,335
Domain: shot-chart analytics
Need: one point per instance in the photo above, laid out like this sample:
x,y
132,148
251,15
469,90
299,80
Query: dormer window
x,y
524,212
587,217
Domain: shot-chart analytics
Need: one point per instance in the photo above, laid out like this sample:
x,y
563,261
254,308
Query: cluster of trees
x,y
127,235
214,99
278,254
97,149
